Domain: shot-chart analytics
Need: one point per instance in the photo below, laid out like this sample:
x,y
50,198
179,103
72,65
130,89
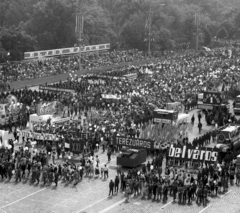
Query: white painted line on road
x,y
92,204
112,206
226,193
22,198
205,208
166,205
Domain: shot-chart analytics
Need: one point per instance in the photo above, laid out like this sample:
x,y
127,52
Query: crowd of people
x,y
151,183
112,103
53,66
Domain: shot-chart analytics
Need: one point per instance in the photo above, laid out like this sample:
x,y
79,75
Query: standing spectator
x,y
111,186
116,184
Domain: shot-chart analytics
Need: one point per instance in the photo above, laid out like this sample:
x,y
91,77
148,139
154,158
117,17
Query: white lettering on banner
x,y
110,96
190,153
38,136
204,106
159,120
133,142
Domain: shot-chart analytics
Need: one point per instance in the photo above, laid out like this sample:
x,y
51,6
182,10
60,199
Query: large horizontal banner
x,y
45,136
38,136
96,81
65,51
110,96
190,153
135,143
46,88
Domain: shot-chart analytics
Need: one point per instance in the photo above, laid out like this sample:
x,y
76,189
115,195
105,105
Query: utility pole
x,y
197,30
148,26
79,30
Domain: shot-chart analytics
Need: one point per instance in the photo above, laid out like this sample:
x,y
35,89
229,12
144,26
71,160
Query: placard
x,y
210,97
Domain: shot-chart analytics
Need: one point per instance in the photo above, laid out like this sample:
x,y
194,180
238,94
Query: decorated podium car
x,y
10,110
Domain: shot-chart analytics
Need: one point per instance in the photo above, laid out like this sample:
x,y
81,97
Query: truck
x,y
214,106
237,105
228,138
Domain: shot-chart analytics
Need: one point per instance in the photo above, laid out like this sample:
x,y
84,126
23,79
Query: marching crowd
x,y
184,187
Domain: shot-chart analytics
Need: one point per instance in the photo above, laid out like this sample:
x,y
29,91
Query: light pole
x,y
197,30
148,26
79,30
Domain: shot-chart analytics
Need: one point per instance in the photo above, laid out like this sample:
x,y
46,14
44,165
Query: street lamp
x,y
148,25
79,29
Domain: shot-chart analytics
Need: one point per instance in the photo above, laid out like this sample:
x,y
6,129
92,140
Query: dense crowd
x,y
53,66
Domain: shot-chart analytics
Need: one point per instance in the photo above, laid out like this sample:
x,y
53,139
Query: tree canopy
x,y
47,24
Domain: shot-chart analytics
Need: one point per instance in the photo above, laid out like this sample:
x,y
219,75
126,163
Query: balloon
x,y
69,157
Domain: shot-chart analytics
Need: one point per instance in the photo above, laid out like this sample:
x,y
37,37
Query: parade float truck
x,y
214,105
169,116
164,116
228,139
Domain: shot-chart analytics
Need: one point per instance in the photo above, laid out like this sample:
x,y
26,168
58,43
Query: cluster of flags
x,y
162,133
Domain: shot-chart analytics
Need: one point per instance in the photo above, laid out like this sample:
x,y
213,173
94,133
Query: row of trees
x,y
27,25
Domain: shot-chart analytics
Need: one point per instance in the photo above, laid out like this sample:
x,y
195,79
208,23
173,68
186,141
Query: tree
x,y
97,28
52,23
164,39
16,41
134,32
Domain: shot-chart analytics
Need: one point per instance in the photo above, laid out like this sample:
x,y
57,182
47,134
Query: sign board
x,y
205,106
46,88
46,109
135,143
66,51
190,153
159,120
212,97
110,96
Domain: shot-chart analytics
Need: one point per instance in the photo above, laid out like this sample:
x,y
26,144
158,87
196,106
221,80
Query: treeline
x,y
28,25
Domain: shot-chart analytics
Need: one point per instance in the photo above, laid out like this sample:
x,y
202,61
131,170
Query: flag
x,y
79,23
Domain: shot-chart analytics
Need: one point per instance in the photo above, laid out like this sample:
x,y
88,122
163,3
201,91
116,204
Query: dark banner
x,y
46,88
190,153
134,143
76,146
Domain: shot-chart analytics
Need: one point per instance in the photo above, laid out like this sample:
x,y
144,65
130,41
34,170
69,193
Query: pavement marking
x,y
205,208
226,193
166,204
112,206
22,198
92,204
